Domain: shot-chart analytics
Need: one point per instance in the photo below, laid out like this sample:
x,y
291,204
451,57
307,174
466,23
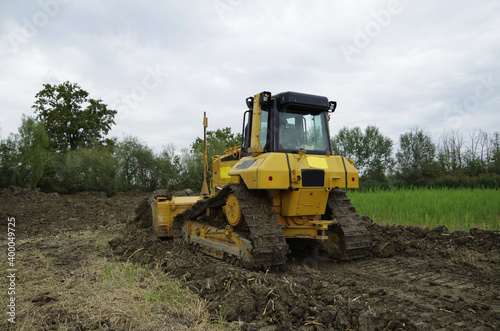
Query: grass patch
x,y
102,247
457,209
119,274
98,292
106,294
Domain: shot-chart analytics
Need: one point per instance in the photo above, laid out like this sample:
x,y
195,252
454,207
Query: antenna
x,y
204,189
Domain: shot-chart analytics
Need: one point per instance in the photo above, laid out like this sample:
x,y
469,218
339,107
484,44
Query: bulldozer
x,y
282,189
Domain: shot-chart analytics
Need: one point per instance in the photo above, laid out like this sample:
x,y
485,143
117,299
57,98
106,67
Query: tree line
x,y
65,149
459,159
26,159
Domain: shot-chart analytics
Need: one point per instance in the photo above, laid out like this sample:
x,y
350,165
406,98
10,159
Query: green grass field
x,y
457,209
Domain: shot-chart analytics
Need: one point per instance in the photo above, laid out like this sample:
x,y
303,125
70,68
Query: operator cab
x,y
289,122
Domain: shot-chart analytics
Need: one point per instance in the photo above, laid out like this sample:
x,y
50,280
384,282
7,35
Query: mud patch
x,y
414,278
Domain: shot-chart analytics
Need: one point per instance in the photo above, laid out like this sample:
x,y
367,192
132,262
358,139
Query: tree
x,y
451,151
9,162
416,156
494,162
371,151
87,169
217,142
71,118
33,146
191,170
137,165
168,169
477,154
24,157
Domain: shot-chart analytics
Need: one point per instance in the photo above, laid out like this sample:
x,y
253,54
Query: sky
x,y
395,64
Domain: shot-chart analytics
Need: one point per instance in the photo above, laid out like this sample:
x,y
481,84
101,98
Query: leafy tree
x,y
217,142
24,157
71,118
450,154
494,162
416,157
168,169
371,151
9,162
137,165
191,170
348,143
33,150
87,169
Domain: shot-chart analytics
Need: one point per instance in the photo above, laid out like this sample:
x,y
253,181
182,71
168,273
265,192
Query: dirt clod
x,y
414,278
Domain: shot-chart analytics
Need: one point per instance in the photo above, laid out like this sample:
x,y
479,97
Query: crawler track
x,y
263,231
353,236
269,246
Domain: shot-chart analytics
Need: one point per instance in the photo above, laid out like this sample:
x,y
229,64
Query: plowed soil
x,y
414,278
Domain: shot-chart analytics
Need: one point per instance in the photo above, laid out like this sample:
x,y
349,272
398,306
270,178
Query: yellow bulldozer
x,y
280,190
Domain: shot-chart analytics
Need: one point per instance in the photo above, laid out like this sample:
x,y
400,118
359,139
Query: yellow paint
x,y
220,169
165,210
255,145
224,172
304,202
269,171
272,171
317,162
215,241
304,226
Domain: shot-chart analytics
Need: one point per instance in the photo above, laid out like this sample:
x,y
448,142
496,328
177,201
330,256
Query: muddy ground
x,y
414,278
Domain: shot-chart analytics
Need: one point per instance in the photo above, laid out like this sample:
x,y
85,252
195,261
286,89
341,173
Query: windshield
x,y
307,132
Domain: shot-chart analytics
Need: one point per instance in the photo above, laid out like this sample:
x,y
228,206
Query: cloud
x,y
415,61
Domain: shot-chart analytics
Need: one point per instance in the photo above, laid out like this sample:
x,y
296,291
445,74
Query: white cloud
x,y
414,67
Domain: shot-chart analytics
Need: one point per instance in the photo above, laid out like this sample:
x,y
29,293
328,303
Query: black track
x,y
264,230
353,235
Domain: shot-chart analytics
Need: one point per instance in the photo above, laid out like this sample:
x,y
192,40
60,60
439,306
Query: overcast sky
x,y
393,64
